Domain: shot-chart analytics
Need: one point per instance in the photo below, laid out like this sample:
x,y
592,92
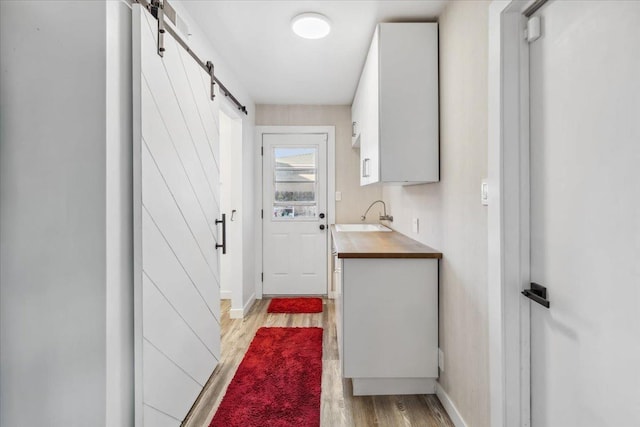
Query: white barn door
x,y
177,192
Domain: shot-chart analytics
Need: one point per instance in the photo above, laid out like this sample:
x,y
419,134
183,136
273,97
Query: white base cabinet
x,y
387,320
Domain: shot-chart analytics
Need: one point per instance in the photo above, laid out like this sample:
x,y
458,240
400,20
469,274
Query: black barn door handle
x,y
223,221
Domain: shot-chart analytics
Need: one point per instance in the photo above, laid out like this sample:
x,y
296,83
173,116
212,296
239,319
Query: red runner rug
x,y
277,383
295,305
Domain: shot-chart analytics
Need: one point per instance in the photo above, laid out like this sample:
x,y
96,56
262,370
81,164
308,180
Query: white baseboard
x,y
239,313
448,405
225,294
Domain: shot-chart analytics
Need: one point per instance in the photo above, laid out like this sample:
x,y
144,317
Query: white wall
x,y
65,330
451,216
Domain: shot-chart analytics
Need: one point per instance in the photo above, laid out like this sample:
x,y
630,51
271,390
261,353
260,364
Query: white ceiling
x,y
278,67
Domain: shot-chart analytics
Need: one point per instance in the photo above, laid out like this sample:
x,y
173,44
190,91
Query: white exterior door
x,y
585,214
295,226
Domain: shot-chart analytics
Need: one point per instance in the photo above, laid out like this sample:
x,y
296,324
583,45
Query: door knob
x,y
321,215
321,226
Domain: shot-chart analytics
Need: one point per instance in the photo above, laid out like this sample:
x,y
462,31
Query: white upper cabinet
x,y
395,108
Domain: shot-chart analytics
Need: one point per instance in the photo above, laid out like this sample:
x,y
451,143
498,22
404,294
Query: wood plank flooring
x,y
338,407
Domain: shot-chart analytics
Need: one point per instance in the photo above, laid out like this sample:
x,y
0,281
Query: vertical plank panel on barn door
x,y
177,193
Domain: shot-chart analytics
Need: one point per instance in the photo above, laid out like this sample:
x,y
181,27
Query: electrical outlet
x,y
338,196
415,225
441,360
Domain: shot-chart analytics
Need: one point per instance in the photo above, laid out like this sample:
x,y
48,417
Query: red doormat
x,y
277,383
295,305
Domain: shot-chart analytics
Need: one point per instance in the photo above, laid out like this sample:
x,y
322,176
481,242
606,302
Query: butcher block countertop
x,y
379,244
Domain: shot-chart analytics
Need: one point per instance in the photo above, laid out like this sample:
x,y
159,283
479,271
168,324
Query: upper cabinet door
x,y
397,102
356,121
367,107
370,108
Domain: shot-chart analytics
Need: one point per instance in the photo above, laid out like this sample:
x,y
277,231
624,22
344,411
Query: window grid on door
x,y
295,184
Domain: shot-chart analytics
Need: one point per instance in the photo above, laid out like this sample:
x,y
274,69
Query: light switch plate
x,y
415,225
441,359
338,196
484,192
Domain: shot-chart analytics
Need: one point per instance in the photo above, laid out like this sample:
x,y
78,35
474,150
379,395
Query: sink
x,y
361,227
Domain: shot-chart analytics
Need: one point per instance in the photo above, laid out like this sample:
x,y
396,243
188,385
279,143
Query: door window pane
x,y
294,183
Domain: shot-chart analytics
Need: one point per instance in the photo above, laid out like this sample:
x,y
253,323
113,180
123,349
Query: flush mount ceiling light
x,y
311,25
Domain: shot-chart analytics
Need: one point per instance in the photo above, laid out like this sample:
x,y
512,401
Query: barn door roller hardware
x,y
161,30
213,79
161,9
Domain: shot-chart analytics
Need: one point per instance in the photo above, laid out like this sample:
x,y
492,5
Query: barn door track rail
x,y
161,9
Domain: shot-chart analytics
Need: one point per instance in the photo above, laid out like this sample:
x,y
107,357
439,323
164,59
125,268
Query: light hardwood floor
x,y
338,407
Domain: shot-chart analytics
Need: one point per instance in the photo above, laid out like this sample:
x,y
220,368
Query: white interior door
x,y
294,214
585,214
177,193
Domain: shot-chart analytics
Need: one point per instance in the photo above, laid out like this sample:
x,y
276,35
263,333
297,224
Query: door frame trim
x,y
238,306
508,215
331,189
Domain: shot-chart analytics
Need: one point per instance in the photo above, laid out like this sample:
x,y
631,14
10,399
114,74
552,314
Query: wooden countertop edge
x,y
401,246
354,255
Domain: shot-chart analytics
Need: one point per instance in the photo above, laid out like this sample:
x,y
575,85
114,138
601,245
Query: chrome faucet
x,y
383,217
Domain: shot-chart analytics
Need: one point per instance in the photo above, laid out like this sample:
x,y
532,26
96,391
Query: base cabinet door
x,y
389,319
